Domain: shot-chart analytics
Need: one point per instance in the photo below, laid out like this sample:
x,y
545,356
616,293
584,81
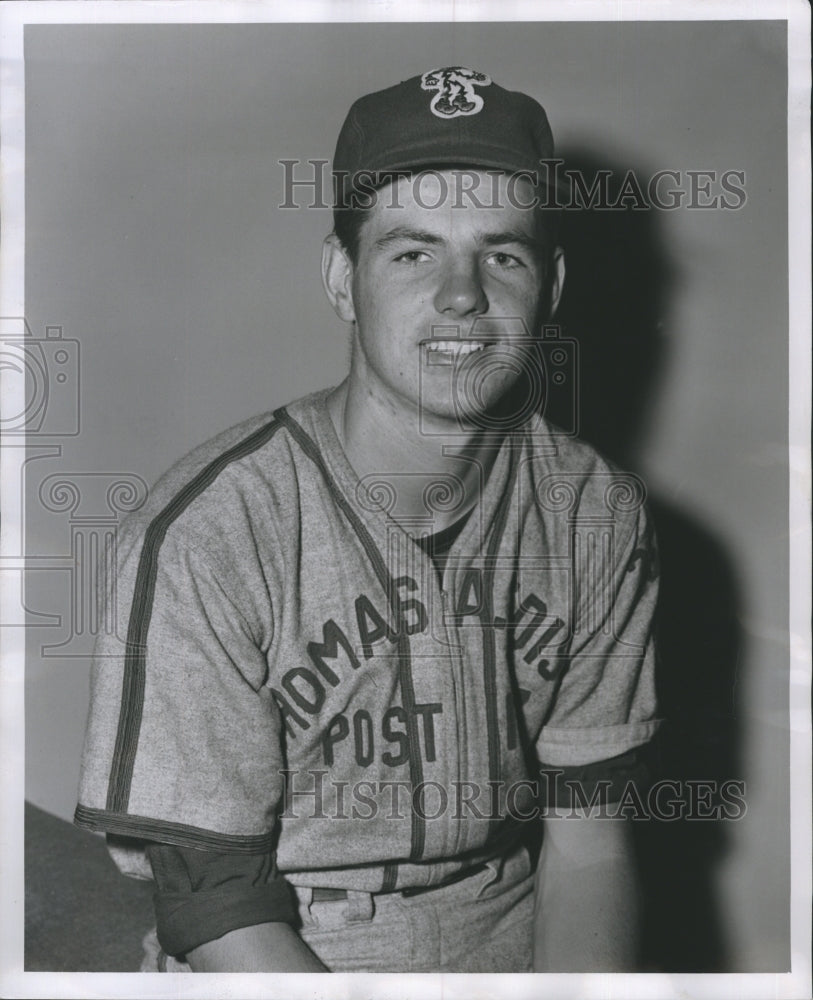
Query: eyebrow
x,y
404,234
516,236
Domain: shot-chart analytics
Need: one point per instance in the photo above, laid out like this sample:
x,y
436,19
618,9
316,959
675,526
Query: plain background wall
x,y
155,240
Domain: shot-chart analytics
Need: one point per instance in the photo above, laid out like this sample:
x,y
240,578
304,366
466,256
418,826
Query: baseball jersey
x,y
287,670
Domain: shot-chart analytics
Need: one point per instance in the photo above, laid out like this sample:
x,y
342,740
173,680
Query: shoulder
x,y
240,474
569,477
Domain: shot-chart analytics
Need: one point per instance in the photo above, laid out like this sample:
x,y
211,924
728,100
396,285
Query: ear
x,y
557,280
337,278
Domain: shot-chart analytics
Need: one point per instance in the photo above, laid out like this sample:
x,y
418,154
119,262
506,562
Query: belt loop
x,y
360,906
304,895
495,867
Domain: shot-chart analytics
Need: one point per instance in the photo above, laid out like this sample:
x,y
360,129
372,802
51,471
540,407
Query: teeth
x,y
454,346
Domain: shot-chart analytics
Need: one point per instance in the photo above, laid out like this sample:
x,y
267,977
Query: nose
x,y
461,291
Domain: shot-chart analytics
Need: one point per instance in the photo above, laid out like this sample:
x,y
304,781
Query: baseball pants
x,y
481,924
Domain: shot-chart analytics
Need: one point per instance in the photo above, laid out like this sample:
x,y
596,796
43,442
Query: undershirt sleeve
x,y
202,895
599,783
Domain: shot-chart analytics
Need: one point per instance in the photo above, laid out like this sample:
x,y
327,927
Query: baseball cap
x,y
453,116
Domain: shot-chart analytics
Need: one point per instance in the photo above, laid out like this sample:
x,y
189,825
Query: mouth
x,y
447,351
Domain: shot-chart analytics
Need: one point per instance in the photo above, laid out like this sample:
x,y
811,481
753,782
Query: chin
x,y
456,419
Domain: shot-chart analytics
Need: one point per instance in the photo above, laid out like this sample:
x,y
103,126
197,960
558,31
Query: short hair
x,y
347,223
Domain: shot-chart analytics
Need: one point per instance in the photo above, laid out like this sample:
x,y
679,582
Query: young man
x,y
352,633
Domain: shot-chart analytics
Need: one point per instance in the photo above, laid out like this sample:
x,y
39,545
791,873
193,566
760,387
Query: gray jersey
x,y
289,670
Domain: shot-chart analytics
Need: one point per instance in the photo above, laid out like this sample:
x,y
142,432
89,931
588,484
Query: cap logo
x,y
455,91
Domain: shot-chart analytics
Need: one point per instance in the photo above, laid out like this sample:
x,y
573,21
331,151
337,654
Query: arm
x,y
194,704
226,912
586,912
587,900
270,947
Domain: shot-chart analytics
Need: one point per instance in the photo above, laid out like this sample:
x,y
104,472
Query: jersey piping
x,y
144,828
309,447
132,701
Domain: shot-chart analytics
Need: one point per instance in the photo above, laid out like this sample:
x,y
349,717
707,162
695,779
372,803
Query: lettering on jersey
x,y
532,620
649,563
328,649
393,716
303,690
289,716
646,554
470,596
538,618
412,614
371,625
357,734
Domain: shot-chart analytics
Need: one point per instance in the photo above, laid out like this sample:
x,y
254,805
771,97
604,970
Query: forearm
x,y
587,912
269,947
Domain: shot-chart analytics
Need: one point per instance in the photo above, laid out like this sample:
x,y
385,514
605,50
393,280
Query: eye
x,y
413,257
505,260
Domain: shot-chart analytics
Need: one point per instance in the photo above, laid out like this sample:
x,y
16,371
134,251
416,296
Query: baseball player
x,y
376,647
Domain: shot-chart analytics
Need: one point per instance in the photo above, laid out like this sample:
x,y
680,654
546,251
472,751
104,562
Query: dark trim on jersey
x,y
390,877
311,449
132,698
437,546
488,633
165,832
616,774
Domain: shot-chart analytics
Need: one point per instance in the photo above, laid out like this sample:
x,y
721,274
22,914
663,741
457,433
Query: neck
x,y
384,440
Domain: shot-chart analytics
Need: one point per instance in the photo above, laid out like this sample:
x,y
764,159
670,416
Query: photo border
x,y
13,980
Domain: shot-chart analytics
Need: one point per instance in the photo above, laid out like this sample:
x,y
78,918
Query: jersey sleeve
x,y
606,706
183,743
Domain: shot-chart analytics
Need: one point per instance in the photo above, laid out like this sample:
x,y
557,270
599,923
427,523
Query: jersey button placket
x,y
451,634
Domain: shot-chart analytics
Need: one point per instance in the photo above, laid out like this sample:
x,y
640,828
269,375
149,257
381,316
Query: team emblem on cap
x,y
455,91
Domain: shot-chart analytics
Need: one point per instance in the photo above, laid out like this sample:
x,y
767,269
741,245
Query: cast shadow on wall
x,y
616,297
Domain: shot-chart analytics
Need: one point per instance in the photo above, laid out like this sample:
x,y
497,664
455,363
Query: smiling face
x,y
444,293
